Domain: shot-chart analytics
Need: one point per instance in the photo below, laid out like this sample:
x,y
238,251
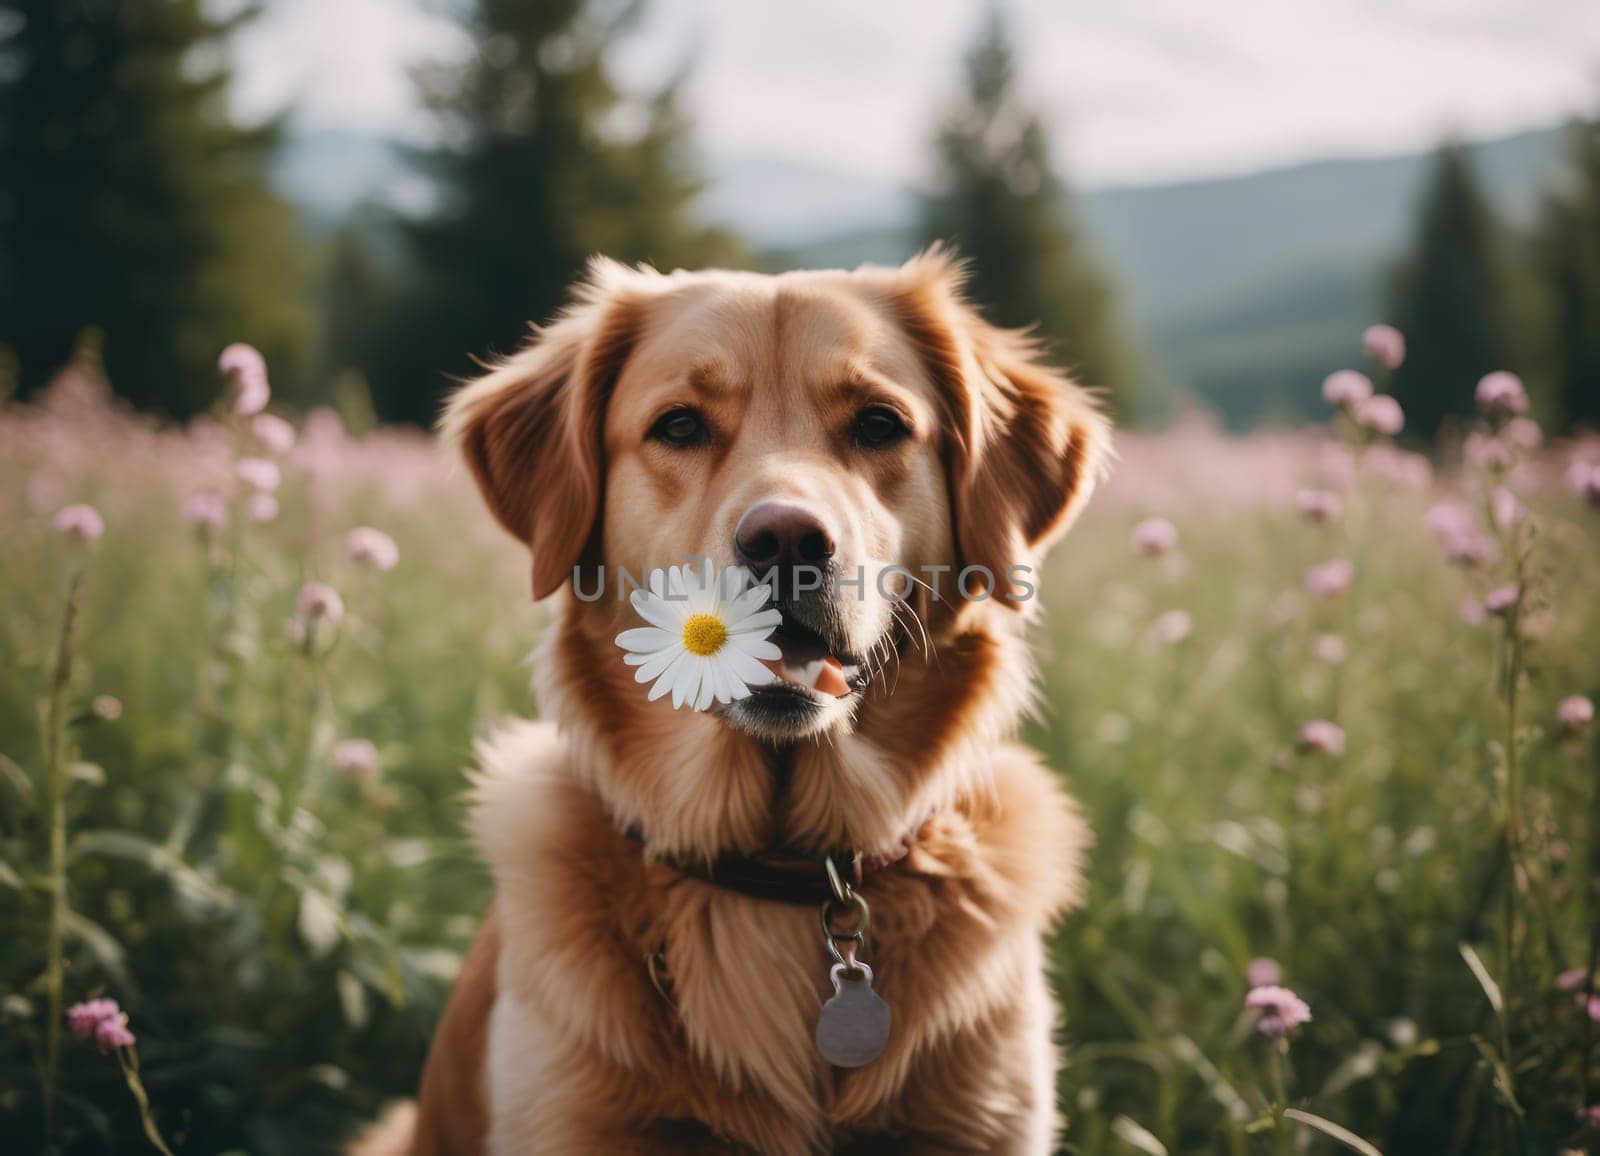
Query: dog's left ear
x,y
1025,444
530,428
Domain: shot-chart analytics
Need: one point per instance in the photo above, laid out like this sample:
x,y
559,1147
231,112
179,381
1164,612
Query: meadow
x,y
1320,697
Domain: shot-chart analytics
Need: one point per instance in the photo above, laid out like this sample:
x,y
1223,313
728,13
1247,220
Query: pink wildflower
x,y
1154,537
1322,737
83,1018
1329,649
1500,600
1448,519
1385,344
1575,712
1589,1117
1381,414
1501,394
1507,510
80,523
106,707
259,474
1469,549
261,508
1456,530
1171,628
1262,972
206,510
319,600
1328,580
1346,388
102,1021
1399,466
1579,473
244,366
356,757
1574,980
274,434
1320,505
1471,611
1281,1010
1524,433
371,548
111,1034
1488,452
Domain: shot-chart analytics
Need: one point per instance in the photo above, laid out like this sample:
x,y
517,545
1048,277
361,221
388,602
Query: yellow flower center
x,y
704,634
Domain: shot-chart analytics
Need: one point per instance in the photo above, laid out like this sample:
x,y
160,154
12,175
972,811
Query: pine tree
x,y
132,203
1567,259
1000,203
535,178
1453,298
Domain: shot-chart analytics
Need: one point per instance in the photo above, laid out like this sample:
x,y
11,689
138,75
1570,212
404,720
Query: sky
x,y
1136,92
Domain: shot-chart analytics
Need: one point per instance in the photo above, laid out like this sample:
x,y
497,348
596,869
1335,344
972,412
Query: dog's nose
x,y
779,534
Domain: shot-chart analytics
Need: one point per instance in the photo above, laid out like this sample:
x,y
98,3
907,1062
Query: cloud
x,y
341,64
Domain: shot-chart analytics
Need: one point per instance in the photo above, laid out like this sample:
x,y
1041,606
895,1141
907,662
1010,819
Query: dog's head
x,y
891,460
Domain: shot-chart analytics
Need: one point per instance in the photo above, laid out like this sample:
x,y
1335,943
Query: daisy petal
x,y
747,670
668,679
728,685
646,639
755,647
761,621
667,616
654,665
687,683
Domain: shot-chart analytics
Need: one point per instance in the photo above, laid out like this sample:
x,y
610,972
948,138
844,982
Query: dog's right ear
x,y
530,428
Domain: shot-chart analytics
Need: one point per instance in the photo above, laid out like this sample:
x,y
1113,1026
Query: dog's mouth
x,y
811,665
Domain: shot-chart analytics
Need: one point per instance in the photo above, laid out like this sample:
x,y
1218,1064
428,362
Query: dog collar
x,y
779,876
783,875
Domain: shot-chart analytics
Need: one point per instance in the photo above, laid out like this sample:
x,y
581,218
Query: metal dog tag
x,y
854,1025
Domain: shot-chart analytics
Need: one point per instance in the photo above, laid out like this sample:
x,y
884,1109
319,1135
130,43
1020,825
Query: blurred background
x,y
1197,208
1320,666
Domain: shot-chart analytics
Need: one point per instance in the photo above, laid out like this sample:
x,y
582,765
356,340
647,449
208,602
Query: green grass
x,y
283,934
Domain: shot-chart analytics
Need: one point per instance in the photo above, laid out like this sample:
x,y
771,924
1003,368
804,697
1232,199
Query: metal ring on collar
x,y
863,918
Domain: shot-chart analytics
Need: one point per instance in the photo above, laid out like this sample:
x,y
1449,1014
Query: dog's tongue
x,y
824,674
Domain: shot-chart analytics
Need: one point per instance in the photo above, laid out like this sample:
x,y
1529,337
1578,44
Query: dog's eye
x,y
877,427
679,427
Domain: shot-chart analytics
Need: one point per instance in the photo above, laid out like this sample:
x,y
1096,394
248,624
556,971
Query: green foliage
x,y
1453,298
998,200
1362,874
281,931
1567,258
131,203
539,171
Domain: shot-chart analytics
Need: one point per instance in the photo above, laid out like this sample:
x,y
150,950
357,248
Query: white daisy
x,y
706,638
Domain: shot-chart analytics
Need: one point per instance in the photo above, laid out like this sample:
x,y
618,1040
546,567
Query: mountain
x,y
1246,290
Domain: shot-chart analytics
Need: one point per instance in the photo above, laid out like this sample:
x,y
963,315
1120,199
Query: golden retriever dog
x,y
652,972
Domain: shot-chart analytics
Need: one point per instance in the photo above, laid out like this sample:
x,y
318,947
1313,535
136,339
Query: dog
x,y
651,974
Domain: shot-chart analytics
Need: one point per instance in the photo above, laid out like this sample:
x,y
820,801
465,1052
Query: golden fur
x,y
555,1040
